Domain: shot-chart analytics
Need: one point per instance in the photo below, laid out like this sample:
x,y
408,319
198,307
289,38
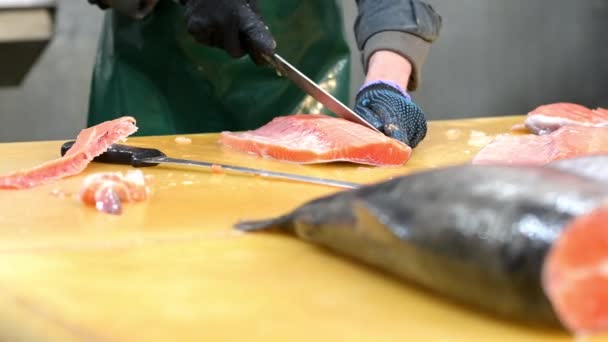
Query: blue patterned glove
x,y
390,109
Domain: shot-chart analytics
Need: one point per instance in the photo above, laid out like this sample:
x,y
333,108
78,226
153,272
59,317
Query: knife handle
x,y
123,155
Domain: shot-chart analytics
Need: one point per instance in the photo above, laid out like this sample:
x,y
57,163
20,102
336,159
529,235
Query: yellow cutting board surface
x,y
174,269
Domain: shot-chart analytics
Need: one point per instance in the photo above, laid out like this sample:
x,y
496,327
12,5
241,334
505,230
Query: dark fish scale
x,y
475,233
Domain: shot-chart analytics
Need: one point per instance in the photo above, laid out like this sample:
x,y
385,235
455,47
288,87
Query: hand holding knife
x,y
314,90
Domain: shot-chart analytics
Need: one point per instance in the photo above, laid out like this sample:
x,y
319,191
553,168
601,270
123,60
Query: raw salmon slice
x,y
90,143
549,118
518,150
530,149
306,139
575,274
108,190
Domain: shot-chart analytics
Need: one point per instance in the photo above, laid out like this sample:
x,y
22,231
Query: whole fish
x,y
478,234
591,166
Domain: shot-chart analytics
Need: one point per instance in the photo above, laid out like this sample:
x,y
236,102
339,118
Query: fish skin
x,y
591,166
475,234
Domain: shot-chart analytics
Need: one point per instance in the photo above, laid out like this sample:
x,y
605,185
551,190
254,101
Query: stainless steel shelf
x,y
4,4
26,28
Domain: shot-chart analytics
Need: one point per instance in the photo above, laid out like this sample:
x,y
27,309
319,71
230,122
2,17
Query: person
x,y
182,67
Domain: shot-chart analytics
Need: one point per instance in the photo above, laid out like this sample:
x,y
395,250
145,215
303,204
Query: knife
x,y
312,89
143,157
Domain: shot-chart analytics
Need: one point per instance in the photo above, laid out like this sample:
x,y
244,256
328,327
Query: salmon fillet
x,y
530,149
548,118
90,143
518,150
306,139
575,274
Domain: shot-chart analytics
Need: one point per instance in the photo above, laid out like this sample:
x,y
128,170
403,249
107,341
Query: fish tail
x,y
281,223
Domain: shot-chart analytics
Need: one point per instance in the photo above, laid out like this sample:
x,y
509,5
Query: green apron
x,y
155,71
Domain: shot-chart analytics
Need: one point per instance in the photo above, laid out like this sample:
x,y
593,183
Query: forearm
x,y
389,66
404,27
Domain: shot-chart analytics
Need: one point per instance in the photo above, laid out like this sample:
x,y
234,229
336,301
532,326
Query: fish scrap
x,y
107,191
90,143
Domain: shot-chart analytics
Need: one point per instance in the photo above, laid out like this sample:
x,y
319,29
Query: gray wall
x,y
498,57
494,57
52,102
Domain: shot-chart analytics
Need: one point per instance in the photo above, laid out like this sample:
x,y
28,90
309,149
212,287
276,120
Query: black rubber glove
x,y
390,109
99,3
232,25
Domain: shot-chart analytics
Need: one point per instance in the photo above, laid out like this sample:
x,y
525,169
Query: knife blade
x,y
313,89
145,157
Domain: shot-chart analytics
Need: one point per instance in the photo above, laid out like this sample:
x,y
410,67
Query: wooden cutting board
x,y
173,268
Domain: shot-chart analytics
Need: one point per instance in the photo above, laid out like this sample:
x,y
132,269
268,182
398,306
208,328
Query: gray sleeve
x,y
406,27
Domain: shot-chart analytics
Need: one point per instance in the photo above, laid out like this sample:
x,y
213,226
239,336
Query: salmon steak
x,y
551,117
530,149
523,243
89,143
315,138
